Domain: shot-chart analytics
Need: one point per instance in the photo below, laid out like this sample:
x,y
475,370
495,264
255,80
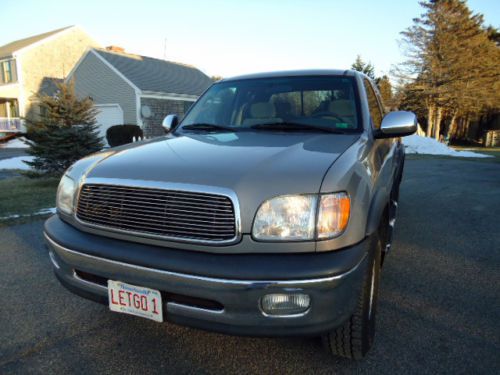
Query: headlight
x,y
333,216
293,217
66,194
288,217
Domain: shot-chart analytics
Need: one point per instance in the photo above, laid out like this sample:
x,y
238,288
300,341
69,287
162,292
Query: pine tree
x,y
385,88
361,66
65,131
453,63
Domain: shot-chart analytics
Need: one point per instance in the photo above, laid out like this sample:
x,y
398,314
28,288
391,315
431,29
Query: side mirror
x,y
169,123
397,124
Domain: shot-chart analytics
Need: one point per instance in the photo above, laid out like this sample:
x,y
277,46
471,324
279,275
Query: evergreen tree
x,y
385,88
493,34
65,131
453,64
361,66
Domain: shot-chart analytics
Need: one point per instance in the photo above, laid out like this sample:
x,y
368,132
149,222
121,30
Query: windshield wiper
x,y
207,127
294,126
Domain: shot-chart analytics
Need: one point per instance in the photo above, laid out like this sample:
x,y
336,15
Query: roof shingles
x,y
7,50
150,74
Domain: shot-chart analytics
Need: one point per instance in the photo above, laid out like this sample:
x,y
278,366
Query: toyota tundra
x,y
267,210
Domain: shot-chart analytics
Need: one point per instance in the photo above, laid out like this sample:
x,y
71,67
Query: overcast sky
x,y
235,36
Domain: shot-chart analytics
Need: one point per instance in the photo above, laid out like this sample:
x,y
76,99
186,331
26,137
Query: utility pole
x,y
165,49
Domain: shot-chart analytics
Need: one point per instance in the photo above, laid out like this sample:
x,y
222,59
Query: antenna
x,y
165,49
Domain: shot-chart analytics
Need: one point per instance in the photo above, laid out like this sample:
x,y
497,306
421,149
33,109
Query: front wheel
x,y
355,338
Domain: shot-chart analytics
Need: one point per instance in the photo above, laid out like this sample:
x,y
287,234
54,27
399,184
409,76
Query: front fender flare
x,y
377,206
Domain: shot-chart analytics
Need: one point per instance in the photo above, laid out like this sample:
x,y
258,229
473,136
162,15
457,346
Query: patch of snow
x,y
16,163
15,143
43,211
415,144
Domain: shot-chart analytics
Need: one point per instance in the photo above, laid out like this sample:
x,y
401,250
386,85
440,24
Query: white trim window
x,y
8,71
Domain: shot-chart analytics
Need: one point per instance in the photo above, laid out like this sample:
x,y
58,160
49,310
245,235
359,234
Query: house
x,y
32,65
133,89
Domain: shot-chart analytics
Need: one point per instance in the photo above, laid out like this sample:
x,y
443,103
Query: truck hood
x,y
255,165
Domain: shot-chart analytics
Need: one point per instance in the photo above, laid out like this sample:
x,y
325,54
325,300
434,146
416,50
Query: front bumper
x,y
333,296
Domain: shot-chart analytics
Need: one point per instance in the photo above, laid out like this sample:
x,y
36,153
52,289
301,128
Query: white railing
x,y
10,124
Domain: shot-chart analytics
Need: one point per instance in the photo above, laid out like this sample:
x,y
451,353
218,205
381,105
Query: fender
x,y
377,206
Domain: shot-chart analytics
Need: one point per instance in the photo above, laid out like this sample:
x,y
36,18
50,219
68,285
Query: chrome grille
x,y
167,213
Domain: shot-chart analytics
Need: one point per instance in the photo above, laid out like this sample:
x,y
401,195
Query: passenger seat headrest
x,y
262,110
342,107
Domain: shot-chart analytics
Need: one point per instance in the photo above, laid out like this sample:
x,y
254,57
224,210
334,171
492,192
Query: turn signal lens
x,y
334,211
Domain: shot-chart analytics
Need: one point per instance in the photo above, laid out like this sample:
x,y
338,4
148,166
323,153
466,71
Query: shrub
x,y
122,134
65,132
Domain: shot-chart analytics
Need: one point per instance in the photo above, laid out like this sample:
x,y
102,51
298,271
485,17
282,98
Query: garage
x,y
109,115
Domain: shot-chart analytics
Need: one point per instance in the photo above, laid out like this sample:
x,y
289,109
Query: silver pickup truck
x,y
267,211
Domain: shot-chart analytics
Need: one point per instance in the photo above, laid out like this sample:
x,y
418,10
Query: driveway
x,y
7,153
438,310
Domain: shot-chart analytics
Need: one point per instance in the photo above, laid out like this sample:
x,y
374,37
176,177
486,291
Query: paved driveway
x,y
6,153
438,312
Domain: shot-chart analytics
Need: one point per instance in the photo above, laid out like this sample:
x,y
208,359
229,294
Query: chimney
x,y
115,49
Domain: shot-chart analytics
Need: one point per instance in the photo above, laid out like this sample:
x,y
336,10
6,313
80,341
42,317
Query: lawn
x,y
24,197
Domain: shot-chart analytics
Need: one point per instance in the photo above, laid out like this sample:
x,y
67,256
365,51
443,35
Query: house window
x,y
186,106
14,111
8,71
9,108
3,109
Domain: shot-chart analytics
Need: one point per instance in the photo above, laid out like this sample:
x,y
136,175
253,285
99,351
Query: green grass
x,y
24,196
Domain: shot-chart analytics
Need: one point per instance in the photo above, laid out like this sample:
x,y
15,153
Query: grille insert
x,y
167,213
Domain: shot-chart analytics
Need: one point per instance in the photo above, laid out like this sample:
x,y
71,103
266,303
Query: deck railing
x,y
10,124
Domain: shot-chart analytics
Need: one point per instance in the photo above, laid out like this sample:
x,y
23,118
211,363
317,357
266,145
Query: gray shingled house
x,y
30,66
133,89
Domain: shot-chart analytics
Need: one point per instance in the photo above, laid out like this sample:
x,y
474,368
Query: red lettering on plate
x,y
113,298
144,303
137,301
155,310
121,298
129,298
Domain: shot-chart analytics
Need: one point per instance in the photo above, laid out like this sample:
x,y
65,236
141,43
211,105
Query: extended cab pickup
x,y
266,211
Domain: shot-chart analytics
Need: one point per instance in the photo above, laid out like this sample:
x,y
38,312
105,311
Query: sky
x,y
232,37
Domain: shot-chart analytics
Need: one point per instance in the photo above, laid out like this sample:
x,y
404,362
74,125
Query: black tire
x,y
355,338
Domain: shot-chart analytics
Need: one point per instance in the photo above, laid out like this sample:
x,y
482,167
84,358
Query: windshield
x,y
322,101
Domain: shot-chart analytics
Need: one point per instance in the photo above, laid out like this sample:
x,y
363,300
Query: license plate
x,y
135,300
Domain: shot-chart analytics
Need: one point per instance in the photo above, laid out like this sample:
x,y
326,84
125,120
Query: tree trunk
x,y
483,120
466,127
437,125
430,120
452,130
463,128
461,132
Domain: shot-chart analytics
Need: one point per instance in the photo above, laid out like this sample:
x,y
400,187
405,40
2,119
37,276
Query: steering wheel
x,y
328,114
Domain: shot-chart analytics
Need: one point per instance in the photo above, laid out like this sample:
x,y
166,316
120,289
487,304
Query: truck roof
x,y
295,73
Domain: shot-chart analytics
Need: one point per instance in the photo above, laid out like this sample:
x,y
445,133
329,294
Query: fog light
x,y
285,304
